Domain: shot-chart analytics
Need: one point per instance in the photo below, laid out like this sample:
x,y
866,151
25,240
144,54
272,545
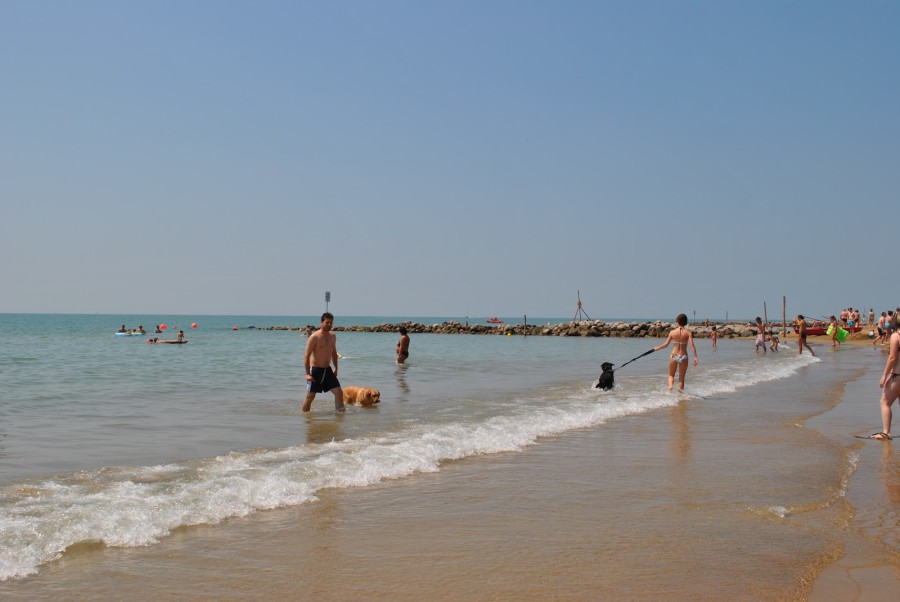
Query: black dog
x,y
606,379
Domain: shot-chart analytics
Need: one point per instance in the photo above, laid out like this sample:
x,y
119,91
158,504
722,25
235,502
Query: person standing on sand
x,y
880,327
321,352
801,335
681,337
871,315
834,331
403,346
760,335
890,388
888,327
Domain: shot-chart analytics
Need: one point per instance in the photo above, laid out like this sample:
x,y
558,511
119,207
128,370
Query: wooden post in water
x,y
784,315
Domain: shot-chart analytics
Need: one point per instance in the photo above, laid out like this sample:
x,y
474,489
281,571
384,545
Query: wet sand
x,y
763,494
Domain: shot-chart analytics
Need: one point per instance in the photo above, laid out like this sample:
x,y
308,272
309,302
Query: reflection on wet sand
x,y
890,474
681,432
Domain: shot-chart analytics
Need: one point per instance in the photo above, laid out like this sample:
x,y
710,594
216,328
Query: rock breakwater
x,y
593,328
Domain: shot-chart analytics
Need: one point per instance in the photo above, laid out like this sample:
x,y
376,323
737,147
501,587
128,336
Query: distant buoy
x,y
234,328
162,326
194,325
509,334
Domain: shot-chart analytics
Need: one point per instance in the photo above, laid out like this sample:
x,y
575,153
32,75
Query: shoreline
x,y
653,489
869,565
770,472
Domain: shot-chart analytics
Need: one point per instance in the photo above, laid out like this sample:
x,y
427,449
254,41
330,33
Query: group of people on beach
x,y
765,336
321,353
889,332
888,323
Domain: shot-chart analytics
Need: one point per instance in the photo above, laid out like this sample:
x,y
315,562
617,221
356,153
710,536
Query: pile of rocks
x,y
594,328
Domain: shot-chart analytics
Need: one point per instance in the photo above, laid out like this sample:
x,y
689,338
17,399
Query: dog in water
x,y
361,396
607,378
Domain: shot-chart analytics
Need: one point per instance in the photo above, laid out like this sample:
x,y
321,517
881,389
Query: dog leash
x,y
637,358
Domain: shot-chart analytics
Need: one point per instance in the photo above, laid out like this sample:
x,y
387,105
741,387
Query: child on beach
x,y
834,329
681,337
773,337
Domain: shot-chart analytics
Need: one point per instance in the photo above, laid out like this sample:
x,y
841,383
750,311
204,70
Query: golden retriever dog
x,y
361,396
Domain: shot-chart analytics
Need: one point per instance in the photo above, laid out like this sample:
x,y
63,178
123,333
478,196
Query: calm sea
x,y
109,439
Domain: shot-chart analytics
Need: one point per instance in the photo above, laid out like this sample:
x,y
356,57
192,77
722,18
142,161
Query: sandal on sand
x,y
880,437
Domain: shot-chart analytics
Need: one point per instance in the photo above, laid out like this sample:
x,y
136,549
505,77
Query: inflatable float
x,y
841,335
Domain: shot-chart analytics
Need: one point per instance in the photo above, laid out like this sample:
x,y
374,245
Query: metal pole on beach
x,y
327,299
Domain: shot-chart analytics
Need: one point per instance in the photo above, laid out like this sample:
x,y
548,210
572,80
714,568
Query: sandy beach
x,y
762,494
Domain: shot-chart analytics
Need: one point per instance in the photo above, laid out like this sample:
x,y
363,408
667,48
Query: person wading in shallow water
x,y
681,337
760,334
801,335
403,346
321,352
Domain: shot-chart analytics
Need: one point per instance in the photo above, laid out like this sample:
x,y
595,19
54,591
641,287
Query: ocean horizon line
x,y
398,318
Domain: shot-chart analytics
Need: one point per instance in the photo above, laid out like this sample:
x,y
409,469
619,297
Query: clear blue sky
x,y
449,158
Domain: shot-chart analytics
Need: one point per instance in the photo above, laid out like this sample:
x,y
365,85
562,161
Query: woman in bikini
x,y
681,337
890,388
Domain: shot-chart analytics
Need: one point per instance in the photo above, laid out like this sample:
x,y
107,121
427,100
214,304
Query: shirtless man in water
x,y
681,337
801,335
321,352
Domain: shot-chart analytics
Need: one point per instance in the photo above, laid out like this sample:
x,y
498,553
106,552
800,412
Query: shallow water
x,y
491,465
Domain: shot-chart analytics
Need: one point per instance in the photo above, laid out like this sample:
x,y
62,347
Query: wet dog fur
x,y
361,396
607,378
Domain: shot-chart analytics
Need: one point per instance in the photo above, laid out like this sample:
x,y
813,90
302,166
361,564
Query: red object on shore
x,y
820,328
